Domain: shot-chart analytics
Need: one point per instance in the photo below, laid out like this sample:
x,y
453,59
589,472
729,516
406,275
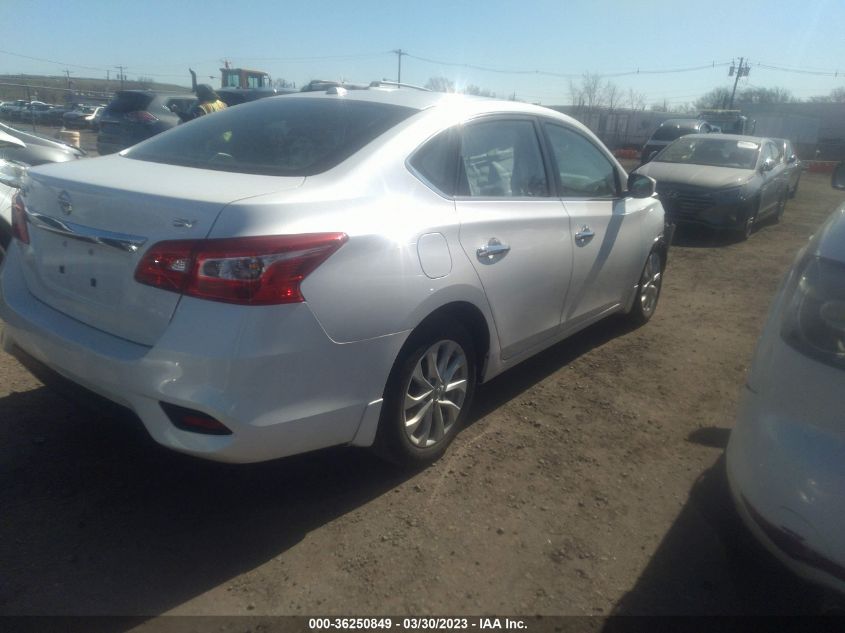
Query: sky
x,y
532,49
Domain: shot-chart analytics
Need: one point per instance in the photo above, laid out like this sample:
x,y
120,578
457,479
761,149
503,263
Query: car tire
x,y
648,290
781,207
747,228
424,408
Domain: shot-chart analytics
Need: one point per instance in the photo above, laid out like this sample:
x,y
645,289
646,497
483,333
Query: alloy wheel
x,y
650,284
435,393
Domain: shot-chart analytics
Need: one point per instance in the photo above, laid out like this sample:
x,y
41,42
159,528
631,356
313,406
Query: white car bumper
x,y
269,374
786,461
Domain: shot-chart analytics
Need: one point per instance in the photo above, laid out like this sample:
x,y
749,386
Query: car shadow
x,y
708,563
98,519
509,385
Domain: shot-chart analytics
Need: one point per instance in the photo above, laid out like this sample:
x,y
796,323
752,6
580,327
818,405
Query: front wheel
x,y
428,395
648,290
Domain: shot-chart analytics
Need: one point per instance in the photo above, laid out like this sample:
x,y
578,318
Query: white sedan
x,y
786,456
326,269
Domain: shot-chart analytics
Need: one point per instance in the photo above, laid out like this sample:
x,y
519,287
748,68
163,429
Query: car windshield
x,y
709,151
280,136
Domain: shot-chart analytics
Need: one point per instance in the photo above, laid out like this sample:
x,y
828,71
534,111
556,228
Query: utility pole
x,y
121,76
399,52
742,71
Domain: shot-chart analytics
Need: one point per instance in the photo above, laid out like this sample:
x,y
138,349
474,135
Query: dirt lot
x,y
590,481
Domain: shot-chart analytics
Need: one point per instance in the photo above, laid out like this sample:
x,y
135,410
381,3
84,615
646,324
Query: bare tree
x,y
837,95
635,100
440,84
472,89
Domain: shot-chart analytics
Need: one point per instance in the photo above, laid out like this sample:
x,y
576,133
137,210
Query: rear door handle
x,y
585,234
493,248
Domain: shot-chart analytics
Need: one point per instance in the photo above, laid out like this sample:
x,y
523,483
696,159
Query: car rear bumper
x,y
270,374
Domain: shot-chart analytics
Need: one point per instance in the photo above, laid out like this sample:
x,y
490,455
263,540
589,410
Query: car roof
x,y
683,122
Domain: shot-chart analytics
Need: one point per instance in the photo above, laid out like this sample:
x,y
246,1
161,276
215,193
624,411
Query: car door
x,y
773,185
513,229
607,240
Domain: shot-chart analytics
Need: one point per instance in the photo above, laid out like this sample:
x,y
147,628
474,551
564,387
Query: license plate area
x,y
83,271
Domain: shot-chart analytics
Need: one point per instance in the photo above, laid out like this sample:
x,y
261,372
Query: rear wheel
x,y
428,395
648,290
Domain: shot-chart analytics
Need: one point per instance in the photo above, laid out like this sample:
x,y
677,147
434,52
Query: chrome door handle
x,y
491,249
585,234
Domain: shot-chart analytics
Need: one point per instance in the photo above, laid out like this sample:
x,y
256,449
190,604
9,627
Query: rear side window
x,y
129,102
437,162
279,136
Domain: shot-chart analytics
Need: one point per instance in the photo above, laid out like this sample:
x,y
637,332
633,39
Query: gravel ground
x,y
589,482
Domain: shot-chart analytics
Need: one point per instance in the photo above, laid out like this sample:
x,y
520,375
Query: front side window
x,y
583,169
502,159
280,136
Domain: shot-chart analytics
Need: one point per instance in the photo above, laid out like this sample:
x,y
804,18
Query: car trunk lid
x,y
92,221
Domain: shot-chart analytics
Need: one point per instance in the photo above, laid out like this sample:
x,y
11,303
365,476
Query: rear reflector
x,y
194,421
249,270
20,230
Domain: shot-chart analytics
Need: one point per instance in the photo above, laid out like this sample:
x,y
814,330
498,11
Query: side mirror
x,y
837,180
792,158
12,173
640,186
768,165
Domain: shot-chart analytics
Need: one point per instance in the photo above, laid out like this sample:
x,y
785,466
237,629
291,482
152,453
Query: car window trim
x,y
603,151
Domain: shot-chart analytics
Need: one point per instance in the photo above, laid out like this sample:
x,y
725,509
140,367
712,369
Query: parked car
x,y
82,117
326,268
28,113
786,455
10,175
135,115
793,167
722,181
12,109
37,150
44,115
670,130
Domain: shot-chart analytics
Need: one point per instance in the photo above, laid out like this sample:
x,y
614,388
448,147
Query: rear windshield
x,y
129,102
278,136
715,152
672,131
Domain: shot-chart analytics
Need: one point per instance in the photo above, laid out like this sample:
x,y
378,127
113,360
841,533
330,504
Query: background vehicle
x,y
240,85
274,249
81,117
722,181
37,150
136,115
729,121
793,167
786,456
668,131
10,173
8,110
27,114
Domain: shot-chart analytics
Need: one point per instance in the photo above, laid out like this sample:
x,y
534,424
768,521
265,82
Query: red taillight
x,y
248,270
140,116
20,230
195,421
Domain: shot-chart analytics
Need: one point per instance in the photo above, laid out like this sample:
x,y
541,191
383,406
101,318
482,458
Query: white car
x,y
786,455
10,173
326,269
